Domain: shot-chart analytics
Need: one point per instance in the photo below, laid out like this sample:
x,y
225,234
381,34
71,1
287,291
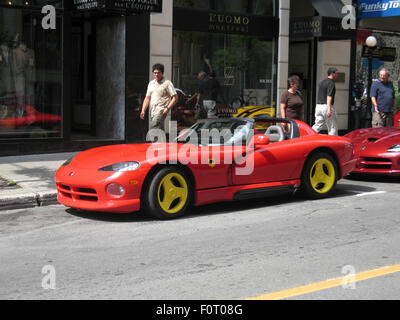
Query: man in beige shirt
x,y
161,96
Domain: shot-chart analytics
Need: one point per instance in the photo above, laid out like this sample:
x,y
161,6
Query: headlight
x,y
395,148
121,167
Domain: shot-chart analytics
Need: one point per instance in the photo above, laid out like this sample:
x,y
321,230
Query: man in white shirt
x,y
161,96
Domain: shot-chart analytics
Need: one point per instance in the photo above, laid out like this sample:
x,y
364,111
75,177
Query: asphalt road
x,y
235,250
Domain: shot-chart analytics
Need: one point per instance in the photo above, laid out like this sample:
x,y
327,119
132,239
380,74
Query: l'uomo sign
x,y
118,5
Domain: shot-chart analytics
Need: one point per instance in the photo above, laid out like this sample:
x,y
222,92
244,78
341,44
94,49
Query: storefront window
x,y
391,64
243,66
259,7
30,75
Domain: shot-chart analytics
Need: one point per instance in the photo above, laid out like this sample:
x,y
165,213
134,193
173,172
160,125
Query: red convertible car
x,y
377,150
213,161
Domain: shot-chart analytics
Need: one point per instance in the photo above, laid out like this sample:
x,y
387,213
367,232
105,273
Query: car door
x,y
277,161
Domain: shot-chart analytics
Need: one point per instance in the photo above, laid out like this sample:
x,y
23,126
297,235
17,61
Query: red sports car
x,y
28,121
377,150
396,120
215,160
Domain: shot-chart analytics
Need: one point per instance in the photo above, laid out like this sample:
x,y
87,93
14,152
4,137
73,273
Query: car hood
x,y
382,138
107,155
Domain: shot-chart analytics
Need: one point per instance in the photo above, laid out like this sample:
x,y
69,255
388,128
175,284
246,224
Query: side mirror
x,y
259,141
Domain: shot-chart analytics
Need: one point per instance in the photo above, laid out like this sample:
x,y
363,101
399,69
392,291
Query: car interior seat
x,y
275,133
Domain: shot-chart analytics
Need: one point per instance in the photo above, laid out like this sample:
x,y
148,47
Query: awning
x,y
381,15
329,8
121,6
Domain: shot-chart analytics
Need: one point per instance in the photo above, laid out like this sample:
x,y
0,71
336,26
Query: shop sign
x,y
218,22
378,8
381,53
319,26
119,5
305,27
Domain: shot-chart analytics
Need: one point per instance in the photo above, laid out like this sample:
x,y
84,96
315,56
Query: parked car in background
x,y
377,149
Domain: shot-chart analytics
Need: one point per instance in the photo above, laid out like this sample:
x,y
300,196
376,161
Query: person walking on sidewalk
x,y
209,91
325,113
161,96
383,101
200,113
292,105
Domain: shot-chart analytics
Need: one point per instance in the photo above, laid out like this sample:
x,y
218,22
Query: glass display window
x,y
242,65
31,75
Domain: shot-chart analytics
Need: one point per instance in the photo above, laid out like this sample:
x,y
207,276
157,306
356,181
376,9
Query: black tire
x,y
319,176
166,204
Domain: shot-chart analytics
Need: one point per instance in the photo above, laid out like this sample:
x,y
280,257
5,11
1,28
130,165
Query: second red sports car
x,y
377,150
215,160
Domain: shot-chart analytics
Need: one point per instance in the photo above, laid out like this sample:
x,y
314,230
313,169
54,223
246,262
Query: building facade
x,y
82,83
380,19
72,78
318,41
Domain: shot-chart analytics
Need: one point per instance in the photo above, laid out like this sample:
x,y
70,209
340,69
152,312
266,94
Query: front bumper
x,y
382,163
86,190
116,206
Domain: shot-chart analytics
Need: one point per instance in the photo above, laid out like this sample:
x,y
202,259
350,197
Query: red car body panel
x,y
30,117
396,120
277,166
371,150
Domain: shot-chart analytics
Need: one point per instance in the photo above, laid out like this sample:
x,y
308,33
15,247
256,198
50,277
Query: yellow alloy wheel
x,y
173,193
322,175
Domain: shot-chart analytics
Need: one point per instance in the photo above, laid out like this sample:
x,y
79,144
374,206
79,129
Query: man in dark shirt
x,y
209,91
200,113
383,101
325,114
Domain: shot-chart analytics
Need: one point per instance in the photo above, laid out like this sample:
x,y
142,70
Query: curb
x,y
27,200
46,198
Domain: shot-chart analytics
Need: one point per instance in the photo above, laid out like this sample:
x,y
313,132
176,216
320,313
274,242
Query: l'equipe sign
x,y
118,5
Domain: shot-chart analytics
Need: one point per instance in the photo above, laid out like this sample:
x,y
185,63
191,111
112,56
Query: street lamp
x,y
371,43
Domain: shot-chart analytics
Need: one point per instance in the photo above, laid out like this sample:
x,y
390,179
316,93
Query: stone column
x,y
283,50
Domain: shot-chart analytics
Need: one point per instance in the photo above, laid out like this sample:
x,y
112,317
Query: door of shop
x,y
300,64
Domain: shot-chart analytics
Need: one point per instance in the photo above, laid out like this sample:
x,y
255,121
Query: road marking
x,y
328,284
369,193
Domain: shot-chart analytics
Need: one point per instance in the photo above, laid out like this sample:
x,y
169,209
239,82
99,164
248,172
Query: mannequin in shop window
x,y
5,70
23,71
19,64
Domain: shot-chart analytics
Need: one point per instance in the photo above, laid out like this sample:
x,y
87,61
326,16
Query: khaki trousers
x,y
321,119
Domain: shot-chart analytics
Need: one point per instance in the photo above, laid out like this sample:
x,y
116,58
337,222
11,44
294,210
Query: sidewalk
x,y
34,179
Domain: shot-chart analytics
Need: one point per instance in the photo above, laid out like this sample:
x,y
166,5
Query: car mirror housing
x,y
259,141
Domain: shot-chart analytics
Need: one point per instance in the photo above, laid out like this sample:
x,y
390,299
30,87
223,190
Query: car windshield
x,y
217,132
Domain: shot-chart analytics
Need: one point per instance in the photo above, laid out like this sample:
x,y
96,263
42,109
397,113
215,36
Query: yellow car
x,y
253,111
